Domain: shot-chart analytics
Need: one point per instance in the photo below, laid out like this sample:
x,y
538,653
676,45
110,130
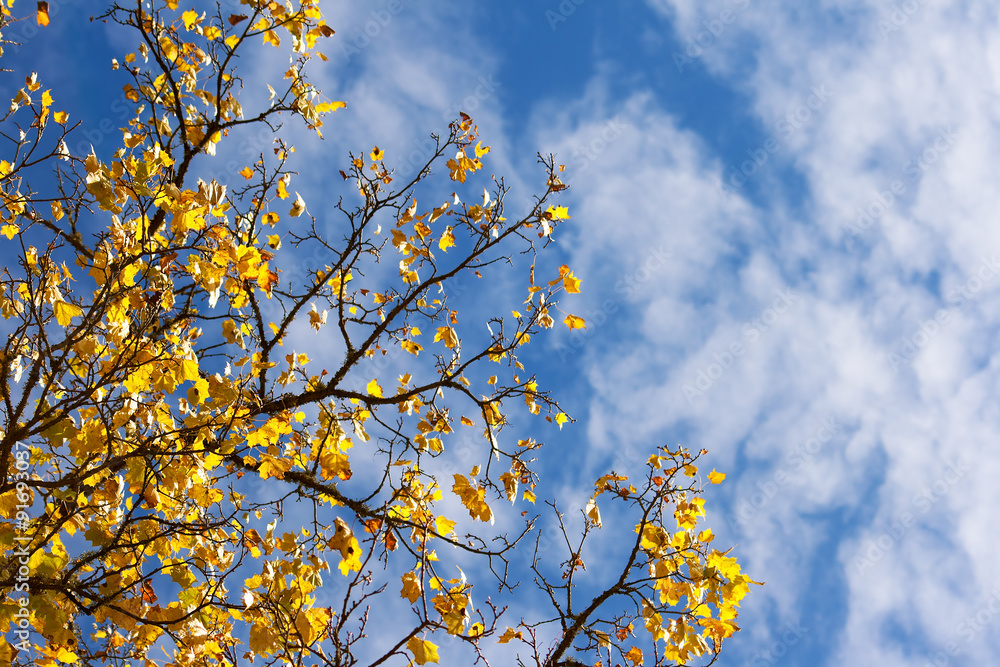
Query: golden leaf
x,y
446,334
423,651
190,19
411,587
65,311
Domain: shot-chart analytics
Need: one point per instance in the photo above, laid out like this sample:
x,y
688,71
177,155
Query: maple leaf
x,y
298,206
446,334
509,635
190,19
593,513
324,107
634,655
345,542
65,311
570,282
423,651
411,587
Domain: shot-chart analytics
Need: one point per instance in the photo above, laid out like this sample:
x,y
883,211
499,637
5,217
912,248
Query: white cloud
x,y
893,96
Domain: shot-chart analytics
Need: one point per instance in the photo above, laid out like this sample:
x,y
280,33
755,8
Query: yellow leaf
x,y
635,655
473,497
423,651
593,513
10,230
529,496
444,525
305,629
345,542
561,419
446,334
510,485
716,477
65,311
377,154
64,654
57,210
42,16
60,117
509,635
246,173
411,587
447,240
188,370
570,282
199,392
374,389
190,19
282,191
298,206
324,107
557,212
574,322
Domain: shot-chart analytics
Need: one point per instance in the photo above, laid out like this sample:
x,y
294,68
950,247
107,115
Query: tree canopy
x,y
181,488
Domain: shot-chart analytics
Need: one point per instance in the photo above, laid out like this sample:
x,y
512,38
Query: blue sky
x,y
784,218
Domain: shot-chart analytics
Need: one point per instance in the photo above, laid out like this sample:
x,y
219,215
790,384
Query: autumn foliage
x,y
180,487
